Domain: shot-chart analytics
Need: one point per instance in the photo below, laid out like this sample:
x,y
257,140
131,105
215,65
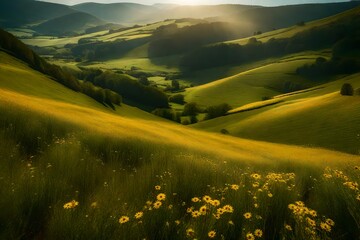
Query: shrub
x,y
224,131
167,113
185,122
177,98
190,109
347,90
217,111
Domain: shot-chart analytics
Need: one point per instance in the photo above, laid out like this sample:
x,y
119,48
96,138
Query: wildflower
x,y
149,203
157,187
195,199
313,213
247,215
189,210
177,222
212,234
288,227
220,211
93,205
352,185
300,203
203,210
190,232
124,219
235,187
217,216
291,206
358,197
256,205
326,175
250,236
325,226
215,203
139,215
195,214
258,233
256,176
311,222
231,222
256,185
157,204
330,222
161,197
71,204
228,208
207,199
270,195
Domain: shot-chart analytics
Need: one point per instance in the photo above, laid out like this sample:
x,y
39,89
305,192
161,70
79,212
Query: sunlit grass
x,y
81,171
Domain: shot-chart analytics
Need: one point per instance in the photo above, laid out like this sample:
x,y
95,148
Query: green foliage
x,y
313,39
170,40
177,98
106,50
131,90
175,85
347,90
323,68
144,81
191,109
167,113
217,111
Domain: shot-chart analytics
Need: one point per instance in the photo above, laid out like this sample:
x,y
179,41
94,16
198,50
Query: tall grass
x,y
47,163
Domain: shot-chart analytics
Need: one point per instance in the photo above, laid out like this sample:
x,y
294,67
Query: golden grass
x,y
169,134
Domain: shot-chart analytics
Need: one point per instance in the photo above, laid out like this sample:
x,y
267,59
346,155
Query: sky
x,y
203,2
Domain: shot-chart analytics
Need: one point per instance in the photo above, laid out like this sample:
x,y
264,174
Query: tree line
x,y
133,91
313,39
169,39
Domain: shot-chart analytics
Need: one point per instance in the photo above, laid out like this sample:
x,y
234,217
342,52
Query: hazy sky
x,y
148,2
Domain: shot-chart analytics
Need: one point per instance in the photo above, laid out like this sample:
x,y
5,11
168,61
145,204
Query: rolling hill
x,y
17,13
269,18
70,24
318,117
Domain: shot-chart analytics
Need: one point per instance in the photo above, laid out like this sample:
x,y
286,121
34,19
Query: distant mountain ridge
x,y
22,12
69,24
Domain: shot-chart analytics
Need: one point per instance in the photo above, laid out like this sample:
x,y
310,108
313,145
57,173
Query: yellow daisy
x,y
247,215
124,219
212,234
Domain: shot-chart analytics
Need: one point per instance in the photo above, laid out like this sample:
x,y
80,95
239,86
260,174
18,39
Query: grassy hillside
x,y
319,117
73,169
291,31
262,80
269,18
74,23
